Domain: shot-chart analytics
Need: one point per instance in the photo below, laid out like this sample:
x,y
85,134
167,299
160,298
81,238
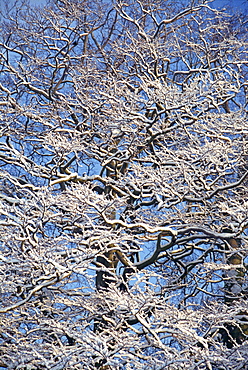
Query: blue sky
x,y
241,4
235,4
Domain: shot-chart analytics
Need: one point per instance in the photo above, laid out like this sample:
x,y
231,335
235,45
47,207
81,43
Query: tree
x,y
123,191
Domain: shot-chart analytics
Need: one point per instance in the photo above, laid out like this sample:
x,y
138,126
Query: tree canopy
x,y
123,186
